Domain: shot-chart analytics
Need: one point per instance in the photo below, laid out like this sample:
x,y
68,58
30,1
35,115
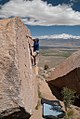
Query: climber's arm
x,y
30,37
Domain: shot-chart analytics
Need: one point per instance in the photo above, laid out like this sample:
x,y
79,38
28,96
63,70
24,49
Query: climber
x,y
34,50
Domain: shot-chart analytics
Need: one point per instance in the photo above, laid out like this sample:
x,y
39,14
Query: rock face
x,y
67,74
18,87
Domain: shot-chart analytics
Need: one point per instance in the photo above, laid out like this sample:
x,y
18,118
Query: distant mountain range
x,y
60,36
60,41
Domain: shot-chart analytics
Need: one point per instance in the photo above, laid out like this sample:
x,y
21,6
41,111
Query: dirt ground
x,y
51,61
53,57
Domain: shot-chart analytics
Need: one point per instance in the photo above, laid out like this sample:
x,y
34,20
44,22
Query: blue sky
x,y
45,17
75,3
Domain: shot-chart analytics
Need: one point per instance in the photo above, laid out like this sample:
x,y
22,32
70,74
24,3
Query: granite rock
x,y
67,74
18,86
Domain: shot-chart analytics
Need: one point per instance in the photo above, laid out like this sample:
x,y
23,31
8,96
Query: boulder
x,y
67,74
18,86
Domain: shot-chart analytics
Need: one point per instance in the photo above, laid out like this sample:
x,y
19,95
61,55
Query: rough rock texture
x,y
44,92
18,87
67,74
